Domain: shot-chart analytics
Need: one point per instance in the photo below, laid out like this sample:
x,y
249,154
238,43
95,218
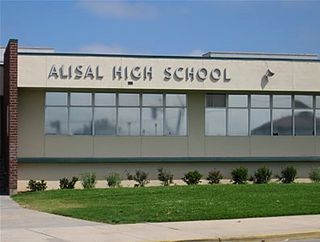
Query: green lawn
x,y
177,203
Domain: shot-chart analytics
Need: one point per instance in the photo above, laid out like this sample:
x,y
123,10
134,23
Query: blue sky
x,y
163,27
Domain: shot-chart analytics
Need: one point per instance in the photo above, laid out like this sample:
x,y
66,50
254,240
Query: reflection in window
x,y
282,122
260,123
128,99
238,101
152,100
303,122
152,121
56,120
216,100
129,121
105,121
282,101
105,99
318,102
176,100
216,120
115,114
260,101
238,122
303,101
175,121
56,98
80,99
81,121
318,121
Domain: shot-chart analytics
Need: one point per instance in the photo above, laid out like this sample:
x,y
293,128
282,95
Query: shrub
x,y
262,175
113,180
34,185
314,175
214,177
192,177
140,177
165,177
88,180
239,175
288,174
66,184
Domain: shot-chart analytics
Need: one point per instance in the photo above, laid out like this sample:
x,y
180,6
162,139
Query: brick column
x,y
10,110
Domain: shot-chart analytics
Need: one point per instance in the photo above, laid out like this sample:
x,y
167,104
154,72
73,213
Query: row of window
x,y
243,115
132,114
128,114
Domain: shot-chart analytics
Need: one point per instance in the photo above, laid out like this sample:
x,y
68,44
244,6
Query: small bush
x,y
262,175
113,180
240,175
192,177
140,177
88,180
288,174
314,175
66,184
214,177
35,186
165,177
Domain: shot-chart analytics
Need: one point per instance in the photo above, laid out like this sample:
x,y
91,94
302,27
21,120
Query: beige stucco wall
x,y
245,74
33,143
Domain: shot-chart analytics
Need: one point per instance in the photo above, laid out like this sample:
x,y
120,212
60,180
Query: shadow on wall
x,y
264,81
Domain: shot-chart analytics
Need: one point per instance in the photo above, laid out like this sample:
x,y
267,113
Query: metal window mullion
x,y
92,115
140,114
314,116
249,114
68,108
271,114
164,113
227,114
117,113
293,115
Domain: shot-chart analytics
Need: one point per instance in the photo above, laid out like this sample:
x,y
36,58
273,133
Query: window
x,y
105,114
129,121
261,114
105,121
123,114
216,114
303,115
175,121
282,115
56,120
152,115
56,113
237,115
80,121
317,115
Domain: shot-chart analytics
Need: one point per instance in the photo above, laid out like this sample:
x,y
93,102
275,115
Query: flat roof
x,y
261,55
220,56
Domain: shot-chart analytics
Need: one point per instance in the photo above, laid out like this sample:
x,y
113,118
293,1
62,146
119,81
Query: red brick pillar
x,y
11,112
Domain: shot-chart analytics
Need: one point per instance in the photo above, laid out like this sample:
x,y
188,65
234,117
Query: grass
x,y
177,203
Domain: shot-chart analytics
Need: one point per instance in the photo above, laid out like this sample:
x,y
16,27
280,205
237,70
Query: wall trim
x,y
166,57
66,160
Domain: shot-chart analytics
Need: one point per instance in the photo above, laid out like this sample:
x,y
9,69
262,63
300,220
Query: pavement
x,y
20,224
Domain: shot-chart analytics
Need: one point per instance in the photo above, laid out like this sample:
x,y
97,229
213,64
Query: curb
x,y
259,238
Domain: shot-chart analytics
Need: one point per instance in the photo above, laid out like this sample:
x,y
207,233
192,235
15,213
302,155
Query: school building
x,y
63,114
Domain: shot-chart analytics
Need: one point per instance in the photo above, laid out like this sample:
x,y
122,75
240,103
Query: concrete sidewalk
x,y
20,224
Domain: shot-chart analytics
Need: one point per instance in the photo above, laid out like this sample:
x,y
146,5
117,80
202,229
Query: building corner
x,y
10,134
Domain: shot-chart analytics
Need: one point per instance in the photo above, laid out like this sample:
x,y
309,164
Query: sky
x,y
163,27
